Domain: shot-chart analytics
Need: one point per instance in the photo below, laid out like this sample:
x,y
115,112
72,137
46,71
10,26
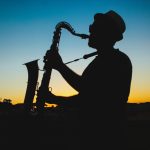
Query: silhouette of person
x,y
103,87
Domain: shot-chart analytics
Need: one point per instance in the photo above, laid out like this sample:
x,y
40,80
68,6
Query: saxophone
x,y
33,73
32,68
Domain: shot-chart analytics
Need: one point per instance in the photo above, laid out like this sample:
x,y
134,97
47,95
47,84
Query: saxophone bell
x,y
33,72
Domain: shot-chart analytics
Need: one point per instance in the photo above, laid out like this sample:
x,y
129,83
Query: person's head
x,y
106,30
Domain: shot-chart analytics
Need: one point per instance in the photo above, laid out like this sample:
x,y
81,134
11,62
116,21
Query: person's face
x,y
96,35
99,35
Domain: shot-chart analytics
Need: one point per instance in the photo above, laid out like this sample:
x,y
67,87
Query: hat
x,y
118,20
114,21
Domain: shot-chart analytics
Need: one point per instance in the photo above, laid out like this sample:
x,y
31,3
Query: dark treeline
x,y
132,108
56,127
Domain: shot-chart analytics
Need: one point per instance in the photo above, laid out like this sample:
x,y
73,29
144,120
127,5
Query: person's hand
x,y
53,59
49,97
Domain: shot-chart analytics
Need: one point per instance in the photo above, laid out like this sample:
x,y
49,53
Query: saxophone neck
x,y
67,26
83,36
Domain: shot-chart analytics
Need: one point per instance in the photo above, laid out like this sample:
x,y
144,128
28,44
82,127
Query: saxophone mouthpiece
x,y
83,36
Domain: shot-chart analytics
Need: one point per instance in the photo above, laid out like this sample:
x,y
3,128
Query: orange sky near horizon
x,y
64,89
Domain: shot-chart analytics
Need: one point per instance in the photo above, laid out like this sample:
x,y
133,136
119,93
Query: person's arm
x,y
61,100
70,76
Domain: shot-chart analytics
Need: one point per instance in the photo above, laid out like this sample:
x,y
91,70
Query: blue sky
x,y
26,31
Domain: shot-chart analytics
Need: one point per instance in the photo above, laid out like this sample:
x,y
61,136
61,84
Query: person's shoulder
x,y
123,59
122,55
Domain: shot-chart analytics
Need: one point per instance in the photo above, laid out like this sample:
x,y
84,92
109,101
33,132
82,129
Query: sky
x,y
26,31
